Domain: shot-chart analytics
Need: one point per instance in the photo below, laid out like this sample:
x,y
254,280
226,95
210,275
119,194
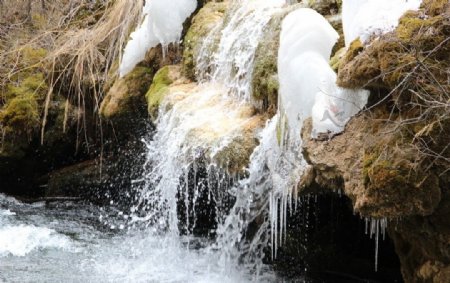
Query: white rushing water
x,y
67,242
232,64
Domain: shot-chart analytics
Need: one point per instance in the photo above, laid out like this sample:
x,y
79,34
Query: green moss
x,y
412,23
265,83
434,7
158,90
34,85
22,109
335,61
23,100
32,56
20,114
354,49
380,173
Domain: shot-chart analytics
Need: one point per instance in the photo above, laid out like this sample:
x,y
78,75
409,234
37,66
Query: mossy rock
x,y
160,88
202,24
22,101
335,61
19,120
392,176
265,82
389,60
20,114
236,156
126,96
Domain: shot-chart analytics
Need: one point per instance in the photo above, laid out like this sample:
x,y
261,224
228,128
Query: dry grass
x,y
83,58
82,38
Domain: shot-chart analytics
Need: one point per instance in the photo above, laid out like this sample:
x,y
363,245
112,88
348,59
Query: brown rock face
x,y
393,160
371,174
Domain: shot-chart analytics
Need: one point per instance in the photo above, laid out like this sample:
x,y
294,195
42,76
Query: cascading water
x,y
231,62
203,127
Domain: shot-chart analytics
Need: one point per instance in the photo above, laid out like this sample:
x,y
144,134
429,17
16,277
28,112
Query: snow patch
x,y
162,24
307,82
368,18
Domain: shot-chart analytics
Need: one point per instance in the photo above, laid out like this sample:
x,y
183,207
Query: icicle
x,y
281,221
272,226
366,220
186,197
377,233
375,226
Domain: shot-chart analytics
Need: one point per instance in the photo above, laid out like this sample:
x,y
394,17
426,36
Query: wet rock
x,y
211,129
265,72
125,99
76,180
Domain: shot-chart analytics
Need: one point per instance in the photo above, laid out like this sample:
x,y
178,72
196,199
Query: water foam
x,y
19,240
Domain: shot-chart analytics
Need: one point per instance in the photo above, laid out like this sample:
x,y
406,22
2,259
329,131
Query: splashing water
x,y
66,241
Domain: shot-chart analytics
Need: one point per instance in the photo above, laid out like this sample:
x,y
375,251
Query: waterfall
x,y
201,130
204,130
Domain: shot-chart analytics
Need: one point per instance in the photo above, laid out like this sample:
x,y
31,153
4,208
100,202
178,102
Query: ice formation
x,y
162,24
307,82
377,226
365,18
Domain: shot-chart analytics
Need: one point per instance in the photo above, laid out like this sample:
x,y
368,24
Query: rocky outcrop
x,y
380,183
392,160
124,104
211,129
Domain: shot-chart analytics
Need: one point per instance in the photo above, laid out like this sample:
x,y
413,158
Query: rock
x,y
265,72
78,180
391,58
377,176
423,245
325,7
126,96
